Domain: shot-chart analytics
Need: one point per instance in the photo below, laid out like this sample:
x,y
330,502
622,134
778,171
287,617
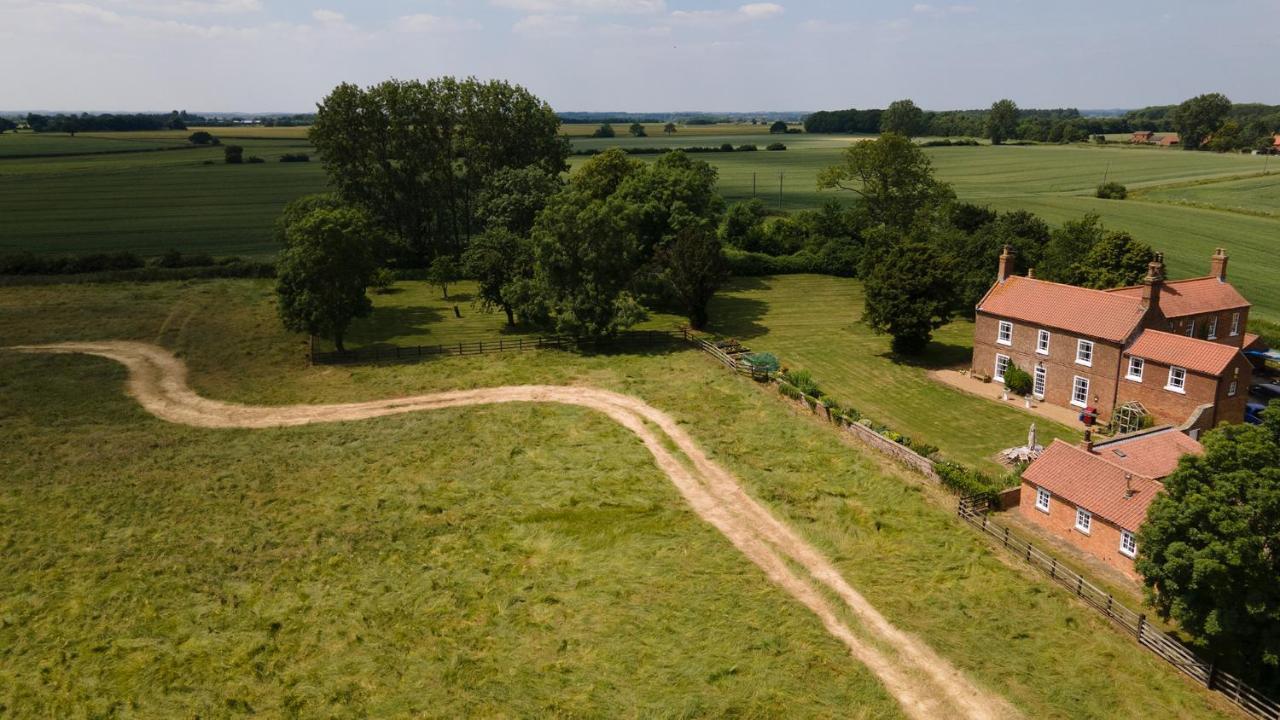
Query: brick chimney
x,y
1006,264
1088,441
1152,283
1218,265
1031,273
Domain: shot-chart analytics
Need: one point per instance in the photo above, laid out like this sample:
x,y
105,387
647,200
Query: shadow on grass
x,y
738,317
937,356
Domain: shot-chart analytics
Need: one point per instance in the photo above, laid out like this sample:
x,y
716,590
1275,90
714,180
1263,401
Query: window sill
x,y
1180,391
1042,352
1129,555
1078,404
1043,510
1083,363
1082,532
1133,378
1006,343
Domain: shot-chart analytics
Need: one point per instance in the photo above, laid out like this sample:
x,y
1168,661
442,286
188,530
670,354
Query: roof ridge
x,y
1099,458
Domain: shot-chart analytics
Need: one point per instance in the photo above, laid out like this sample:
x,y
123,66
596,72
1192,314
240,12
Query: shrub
x,y
764,362
788,391
962,480
200,137
727,147
254,160
175,259
295,157
925,449
1017,381
233,154
803,381
747,148
1112,191
383,279
851,414
776,146
830,404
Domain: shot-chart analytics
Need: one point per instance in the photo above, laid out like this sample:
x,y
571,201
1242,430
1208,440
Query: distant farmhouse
x,y
1167,351
1148,137
1141,137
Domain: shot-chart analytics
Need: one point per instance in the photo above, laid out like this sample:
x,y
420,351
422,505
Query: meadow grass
x,y
1258,195
505,561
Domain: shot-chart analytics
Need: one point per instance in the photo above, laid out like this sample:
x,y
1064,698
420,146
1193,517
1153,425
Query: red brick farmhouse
x,y
1172,346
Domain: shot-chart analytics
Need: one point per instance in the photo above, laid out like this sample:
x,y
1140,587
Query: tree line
x,y
107,122
1208,121
463,177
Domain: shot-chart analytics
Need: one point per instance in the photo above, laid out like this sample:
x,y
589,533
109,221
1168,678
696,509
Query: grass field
x,y
502,561
1186,203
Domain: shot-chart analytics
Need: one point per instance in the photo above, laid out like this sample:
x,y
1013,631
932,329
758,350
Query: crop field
x,y
503,560
1185,204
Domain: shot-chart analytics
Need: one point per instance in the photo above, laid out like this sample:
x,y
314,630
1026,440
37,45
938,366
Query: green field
x,y
501,561
151,202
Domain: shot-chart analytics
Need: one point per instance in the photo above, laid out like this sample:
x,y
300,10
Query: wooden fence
x,y
414,353
975,512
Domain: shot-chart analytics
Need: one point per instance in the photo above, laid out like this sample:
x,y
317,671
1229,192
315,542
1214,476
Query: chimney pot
x,y
1088,441
1006,264
1218,265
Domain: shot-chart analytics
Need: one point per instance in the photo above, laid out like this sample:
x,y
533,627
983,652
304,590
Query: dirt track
x,y
926,685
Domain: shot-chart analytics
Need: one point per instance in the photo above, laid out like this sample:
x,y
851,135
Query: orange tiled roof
x,y
1088,481
1179,298
1153,454
1202,356
1095,313
1250,339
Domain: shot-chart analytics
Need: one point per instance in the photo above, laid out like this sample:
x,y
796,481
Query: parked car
x,y
1253,413
1265,391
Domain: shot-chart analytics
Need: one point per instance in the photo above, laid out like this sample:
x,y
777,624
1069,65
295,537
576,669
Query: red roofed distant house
x,y
1168,140
1096,496
1141,137
1173,346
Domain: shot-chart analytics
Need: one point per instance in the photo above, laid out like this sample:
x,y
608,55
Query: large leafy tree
x,y
1067,244
975,255
513,197
1002,121
693,267
1209,551
902,117
501,262
1114,261
893,176
1199,117
324,271
585,256
909,294
673,193
416,155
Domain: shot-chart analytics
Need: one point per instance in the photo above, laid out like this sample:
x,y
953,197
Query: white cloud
x,y
328,17
938,11
569,7
548,25
187,7
427,23
744,13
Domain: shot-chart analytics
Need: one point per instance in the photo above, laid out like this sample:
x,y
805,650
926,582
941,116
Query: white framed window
x,y
1232,388
1213,328
1235,324
1084,352
1084,520
1004,335
1002,366
1136,365
1128,543
1042,499
1041,375
1191,327
1177,379
1080,392
1042,342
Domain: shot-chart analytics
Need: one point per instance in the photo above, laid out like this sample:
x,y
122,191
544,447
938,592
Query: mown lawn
x,y
500,561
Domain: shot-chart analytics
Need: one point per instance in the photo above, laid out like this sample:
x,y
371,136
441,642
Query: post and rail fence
x,y
975,511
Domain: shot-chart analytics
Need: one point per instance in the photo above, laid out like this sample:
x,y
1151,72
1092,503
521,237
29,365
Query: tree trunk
x,y
511,316
445,288
698,317
337,342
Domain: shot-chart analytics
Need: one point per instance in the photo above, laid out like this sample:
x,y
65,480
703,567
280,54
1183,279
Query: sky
x,y
638,55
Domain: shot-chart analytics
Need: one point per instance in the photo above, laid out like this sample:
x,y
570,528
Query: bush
x,y
295,157
747,148
1017,381
789,391
233,154
175,259
925,449
255,160
1112,191
31,264
727,147
803,381
764,362
200,137
776,146
963,481
383,279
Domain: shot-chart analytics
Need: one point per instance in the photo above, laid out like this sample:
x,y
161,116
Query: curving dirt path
x,y
925,684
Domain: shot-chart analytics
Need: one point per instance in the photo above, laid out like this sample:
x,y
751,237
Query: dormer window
x,y
1177,380
1005,334
1042,342
1084,353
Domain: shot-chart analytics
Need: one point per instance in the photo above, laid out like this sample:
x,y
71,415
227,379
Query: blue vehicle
x,y
1253,413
